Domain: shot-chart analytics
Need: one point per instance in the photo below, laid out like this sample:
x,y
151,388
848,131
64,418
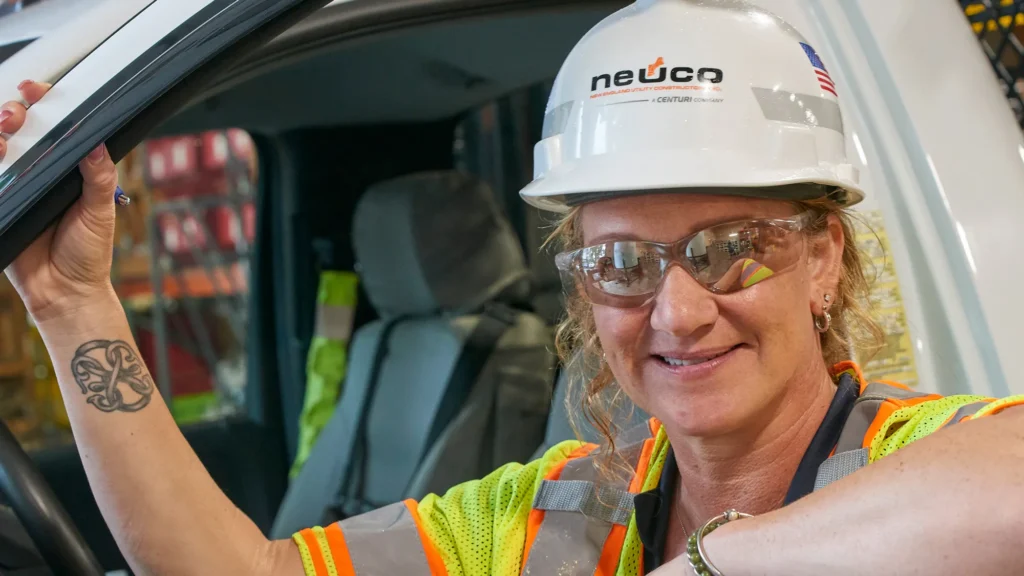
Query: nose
x,y
682,307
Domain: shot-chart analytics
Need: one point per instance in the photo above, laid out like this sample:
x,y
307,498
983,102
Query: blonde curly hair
x,y
593,392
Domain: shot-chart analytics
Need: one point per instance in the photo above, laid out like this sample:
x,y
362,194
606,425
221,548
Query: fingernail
x,y
98,153
24,84
4,115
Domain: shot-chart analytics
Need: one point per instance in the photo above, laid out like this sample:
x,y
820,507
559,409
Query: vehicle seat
x,y
433,251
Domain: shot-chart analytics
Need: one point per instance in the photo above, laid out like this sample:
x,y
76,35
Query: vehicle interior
x,y
393,138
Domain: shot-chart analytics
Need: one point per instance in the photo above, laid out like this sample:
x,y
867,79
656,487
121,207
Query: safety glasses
x,y
723,258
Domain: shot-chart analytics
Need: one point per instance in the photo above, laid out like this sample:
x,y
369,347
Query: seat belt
x,y
495,320
349,500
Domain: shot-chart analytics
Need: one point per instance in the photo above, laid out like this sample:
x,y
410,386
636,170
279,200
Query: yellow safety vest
x,y
557,516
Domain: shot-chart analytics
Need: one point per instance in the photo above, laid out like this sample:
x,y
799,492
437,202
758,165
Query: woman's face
x,y
743,350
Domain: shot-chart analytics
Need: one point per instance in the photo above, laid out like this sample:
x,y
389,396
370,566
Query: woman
x,y
728,209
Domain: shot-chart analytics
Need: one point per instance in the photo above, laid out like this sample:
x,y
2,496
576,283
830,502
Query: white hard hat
x,y
710,96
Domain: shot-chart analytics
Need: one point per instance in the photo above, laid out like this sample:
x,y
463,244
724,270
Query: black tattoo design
x,y
101,366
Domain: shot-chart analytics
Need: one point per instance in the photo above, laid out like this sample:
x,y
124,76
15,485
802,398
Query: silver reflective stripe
x,y
879,389
968,410
864,412
608,504
857,424
840,466
385,541
556,120
570,543
804,109
334,322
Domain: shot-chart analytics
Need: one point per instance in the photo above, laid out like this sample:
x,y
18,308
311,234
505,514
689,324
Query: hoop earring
x,y
824,322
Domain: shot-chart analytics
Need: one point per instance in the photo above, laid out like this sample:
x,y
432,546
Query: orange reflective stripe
x,y
325,549
536,517
641,466
434,561
849,366
611,552
533,522
654,425
884,411
580,452
315,553
339,550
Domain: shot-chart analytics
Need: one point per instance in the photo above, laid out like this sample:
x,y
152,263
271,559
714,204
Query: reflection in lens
x,y
625,255
697,253
725,249
622,268
753,272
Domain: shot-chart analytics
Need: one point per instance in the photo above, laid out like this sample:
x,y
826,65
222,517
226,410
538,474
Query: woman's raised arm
x,y
165,511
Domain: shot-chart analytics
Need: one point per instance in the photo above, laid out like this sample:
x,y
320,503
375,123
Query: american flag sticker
x,y
824,80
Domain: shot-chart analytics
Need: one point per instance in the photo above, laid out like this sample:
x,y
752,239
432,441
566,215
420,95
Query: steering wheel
x,y
45,520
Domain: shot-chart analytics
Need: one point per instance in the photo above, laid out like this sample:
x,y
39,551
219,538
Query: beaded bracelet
x,y
695,545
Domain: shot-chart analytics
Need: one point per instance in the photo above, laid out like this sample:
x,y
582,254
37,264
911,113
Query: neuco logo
x,y
656,73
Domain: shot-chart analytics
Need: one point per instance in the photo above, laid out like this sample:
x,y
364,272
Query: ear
x,y
825,262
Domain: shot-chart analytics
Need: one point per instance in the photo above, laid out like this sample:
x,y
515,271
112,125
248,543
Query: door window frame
x,y
41,183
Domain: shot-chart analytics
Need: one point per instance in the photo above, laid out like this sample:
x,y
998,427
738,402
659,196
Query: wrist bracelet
x,y
695,545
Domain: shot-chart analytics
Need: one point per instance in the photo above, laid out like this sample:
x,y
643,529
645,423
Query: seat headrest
x,y
434,242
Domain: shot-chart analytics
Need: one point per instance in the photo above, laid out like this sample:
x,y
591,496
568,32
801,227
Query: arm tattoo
x,y
103,367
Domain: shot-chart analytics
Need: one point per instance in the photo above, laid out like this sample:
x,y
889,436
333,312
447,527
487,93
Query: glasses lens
x,y
620,273
734,256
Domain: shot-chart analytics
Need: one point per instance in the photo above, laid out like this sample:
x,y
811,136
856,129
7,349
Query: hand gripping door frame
x,y
206,37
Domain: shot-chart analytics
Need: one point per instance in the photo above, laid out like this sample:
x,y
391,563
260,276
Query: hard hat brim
x,y
616,175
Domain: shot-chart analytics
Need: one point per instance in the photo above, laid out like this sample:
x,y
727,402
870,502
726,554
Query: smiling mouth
x,y
693,361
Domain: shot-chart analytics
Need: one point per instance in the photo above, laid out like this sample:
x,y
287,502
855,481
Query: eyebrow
x,y
627,237
614,237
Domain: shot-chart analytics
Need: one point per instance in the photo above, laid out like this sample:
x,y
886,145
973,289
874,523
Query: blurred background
x,y
180,267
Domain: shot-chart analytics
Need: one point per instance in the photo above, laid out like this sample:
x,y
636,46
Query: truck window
x,y
181,269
